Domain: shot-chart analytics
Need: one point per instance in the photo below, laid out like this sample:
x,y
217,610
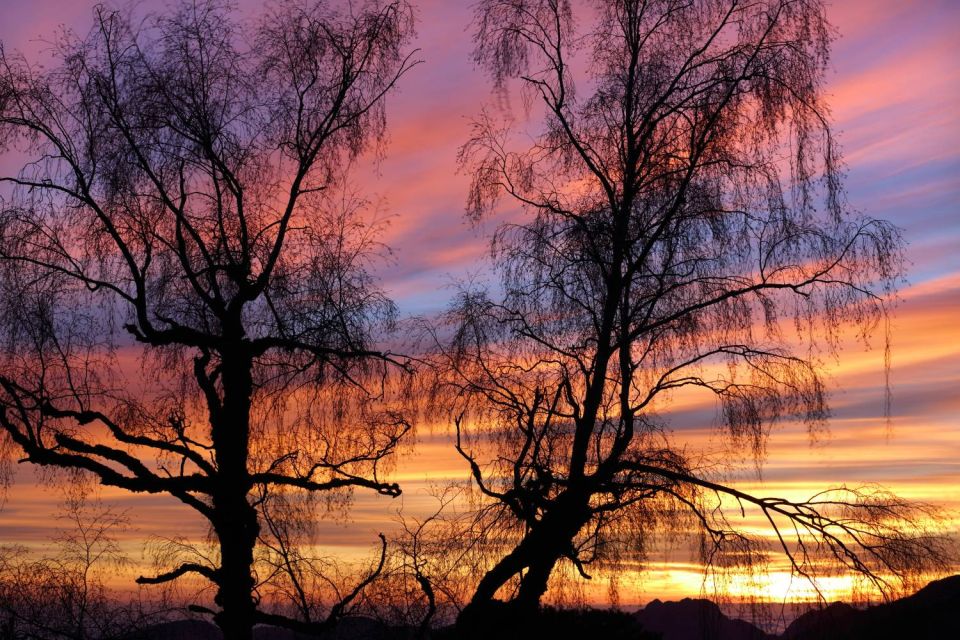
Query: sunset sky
x,y
895,94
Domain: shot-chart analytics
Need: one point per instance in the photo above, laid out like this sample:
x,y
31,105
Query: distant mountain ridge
x,y
931,613
693,618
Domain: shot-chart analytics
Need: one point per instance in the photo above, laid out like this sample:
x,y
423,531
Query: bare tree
x,y
683,204
181,205
434,560
314,589
66,594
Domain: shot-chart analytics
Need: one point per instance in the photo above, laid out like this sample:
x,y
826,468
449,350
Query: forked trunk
x,y
538,552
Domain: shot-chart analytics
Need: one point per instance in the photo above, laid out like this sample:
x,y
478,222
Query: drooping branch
x,y
866,535
84,417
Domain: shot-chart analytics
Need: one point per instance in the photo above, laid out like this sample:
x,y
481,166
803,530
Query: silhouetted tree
x,y
430,569
312,589
181,205
683,205
65,594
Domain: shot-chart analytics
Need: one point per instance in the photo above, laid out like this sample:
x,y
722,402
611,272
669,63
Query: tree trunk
x,y
533,584
237,535
236,523
539,550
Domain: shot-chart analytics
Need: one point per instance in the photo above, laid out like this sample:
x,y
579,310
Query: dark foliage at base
x,y
501,621
556,624
931,613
